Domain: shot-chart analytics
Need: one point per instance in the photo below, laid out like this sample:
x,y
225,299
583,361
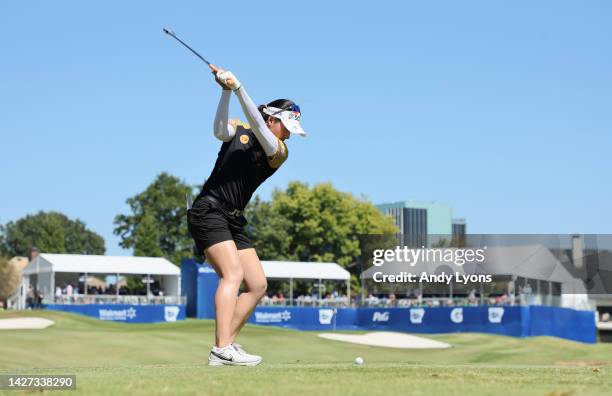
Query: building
x,y
459,231
412,224
421,223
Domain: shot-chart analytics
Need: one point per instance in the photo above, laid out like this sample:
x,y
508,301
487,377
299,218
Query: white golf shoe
x,y
231,356
240,349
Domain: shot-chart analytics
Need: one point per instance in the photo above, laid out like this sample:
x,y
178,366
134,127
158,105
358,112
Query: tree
x,y
157,225
9,279
314,224
269,231
51,232
146,238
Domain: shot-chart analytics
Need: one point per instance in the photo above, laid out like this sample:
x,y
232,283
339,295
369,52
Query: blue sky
x,y
501,109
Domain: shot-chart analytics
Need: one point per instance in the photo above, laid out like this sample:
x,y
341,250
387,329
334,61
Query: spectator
x,y
392,300
30,298
472,297
38,300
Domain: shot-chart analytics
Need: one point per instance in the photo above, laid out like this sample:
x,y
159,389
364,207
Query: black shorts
x,y
209,224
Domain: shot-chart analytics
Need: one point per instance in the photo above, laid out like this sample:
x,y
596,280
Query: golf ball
x,y
358,360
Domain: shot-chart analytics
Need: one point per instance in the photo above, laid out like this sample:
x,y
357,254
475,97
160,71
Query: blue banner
x,y
562,322
125,312
200,284
512,321
307,318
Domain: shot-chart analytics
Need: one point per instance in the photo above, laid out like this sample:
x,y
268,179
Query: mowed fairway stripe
x,y
113,358
332,379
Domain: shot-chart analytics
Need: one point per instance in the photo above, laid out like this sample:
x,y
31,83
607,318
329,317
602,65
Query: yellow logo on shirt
x,y
244,139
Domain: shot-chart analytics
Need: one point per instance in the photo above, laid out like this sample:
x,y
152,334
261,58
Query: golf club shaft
x,y
215,70
171,33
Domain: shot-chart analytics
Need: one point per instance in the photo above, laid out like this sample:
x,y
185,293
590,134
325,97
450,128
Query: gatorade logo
x,y
456,315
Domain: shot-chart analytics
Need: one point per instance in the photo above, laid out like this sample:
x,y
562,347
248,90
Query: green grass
x,y
170,358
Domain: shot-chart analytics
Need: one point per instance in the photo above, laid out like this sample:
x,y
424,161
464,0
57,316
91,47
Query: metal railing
x,y
375,302
341,301
77,299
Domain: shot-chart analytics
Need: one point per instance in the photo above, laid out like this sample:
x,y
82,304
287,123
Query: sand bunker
x,y
24,323
387,339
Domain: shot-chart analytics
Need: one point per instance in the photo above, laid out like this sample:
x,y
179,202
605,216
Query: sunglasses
x,y
295,108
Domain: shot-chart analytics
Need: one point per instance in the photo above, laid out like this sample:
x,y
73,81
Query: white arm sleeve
x,y
268,141
222,129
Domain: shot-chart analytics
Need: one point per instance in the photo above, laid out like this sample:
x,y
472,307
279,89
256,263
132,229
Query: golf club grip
x,y
215,69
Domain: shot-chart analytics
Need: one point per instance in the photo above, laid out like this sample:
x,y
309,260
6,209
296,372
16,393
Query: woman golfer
x,y
248,156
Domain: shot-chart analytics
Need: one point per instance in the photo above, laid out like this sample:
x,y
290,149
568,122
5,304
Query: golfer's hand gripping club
x,y
225,78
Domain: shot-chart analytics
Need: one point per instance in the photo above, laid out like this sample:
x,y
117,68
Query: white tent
x,y
81,263
306,270
528,262
41,272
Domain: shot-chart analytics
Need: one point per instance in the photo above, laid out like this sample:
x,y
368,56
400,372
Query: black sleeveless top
x,y
241,166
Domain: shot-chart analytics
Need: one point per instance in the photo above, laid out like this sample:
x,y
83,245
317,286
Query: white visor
x,y
290,119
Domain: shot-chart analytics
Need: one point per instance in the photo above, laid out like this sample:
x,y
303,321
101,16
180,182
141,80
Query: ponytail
x,y
264,115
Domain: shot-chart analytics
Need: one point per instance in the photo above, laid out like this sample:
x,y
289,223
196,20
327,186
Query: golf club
x,y
170,32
